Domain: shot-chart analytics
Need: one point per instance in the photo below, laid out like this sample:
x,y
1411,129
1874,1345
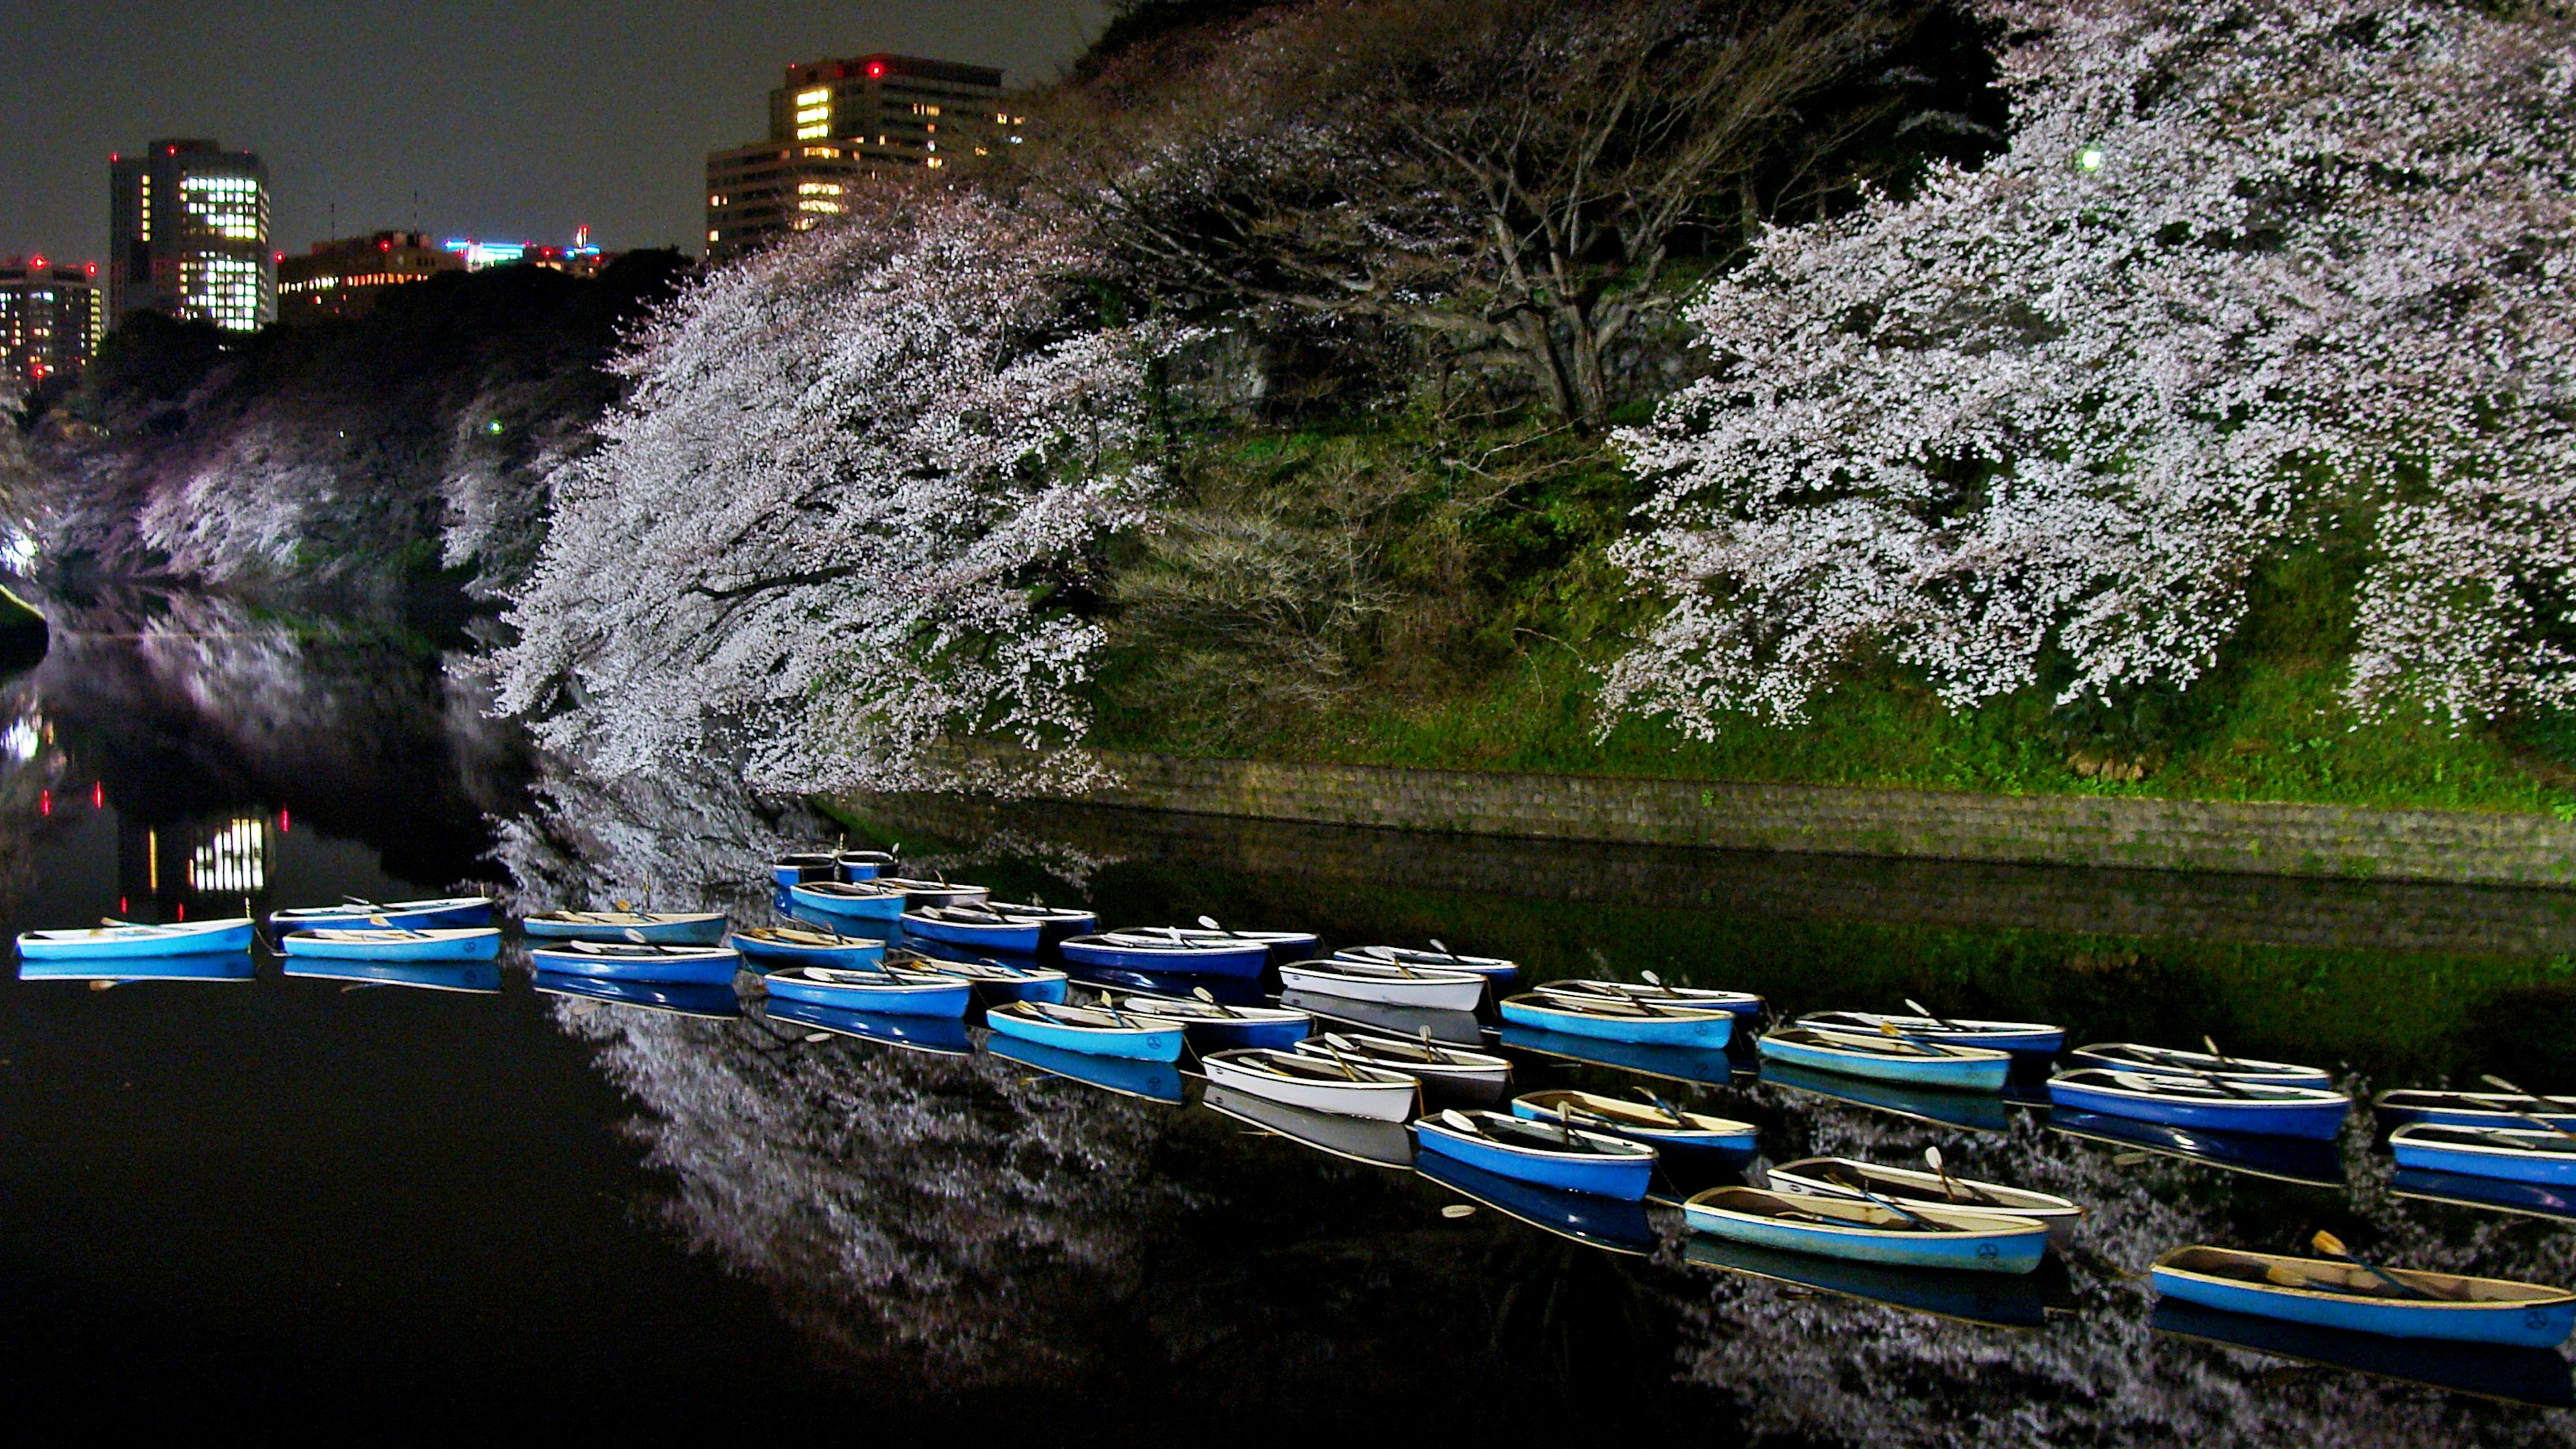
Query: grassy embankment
x,y
1447,603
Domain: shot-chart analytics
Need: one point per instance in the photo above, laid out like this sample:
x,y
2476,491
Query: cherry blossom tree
x,y
830,525
2242,272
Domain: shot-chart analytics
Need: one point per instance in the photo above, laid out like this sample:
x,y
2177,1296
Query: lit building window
x,y
235,860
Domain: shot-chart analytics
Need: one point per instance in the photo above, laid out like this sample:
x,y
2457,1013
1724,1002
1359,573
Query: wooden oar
x,y
1920,1010
1932,1155
1203,994
2332,1246
2542,1122
1842,1179
1663,1106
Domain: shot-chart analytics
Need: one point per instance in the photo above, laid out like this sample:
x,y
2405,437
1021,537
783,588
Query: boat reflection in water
x,y
1127,1076
677,998
939,1036
480,978
1967,1111
2521,1375
1455,1028
2304,1161
213,966
1998,1300
1379,1144
2495,1194
1673,1064
1599,1222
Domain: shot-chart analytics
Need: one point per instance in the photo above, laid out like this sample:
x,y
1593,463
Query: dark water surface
x,y
394,1208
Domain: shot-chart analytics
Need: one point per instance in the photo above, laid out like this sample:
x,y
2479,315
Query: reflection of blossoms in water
x,y
960,1212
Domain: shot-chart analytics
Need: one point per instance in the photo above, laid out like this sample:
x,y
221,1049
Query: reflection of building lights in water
x,y
21,740
235,860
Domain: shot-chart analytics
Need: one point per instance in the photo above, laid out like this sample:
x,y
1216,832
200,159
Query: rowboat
x,y
1889,1059
191,966
972,925
2493,1194
847,900
2002,1036
630,961
701,999
918,893
1166,954
1434,1063
1127,1076
995,981
1621,1018
1214,1024
799,946
2535,1376
124,941
1357,1139
1854,1228
885,991
2331,1293
1054,922
1494,967
1617,1225
1966,1111
1281,945
1913,1187
1550,1156
2305,1161
2474,1109
406,915
1344,1088
2227,1106
470,978
1742,1003
2517,1155
1673,1064
859,865
657,928
1670,1131
1997,1300
932,1035
1089,1029
803,866
1433,990
462,943
2122,1056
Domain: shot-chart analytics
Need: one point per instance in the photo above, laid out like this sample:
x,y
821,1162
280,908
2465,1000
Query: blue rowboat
x,y
404,915
1165,955
652,928
1283,946
1675,1135
628,961
1998,1300
473,978
1966,1111
125,941
2305,1161
1621,1018
1864,1231
671,998
2330,1293
198,966
936,1036
1492,968
859,865
463,943
2528,1155
1419,988
2535,1376
804,866
918,893
881,991
994,981
1912,1187
2002,1036
837,900
1568,1159
1897,1059
2261,1108
973,926
1673,1064
2494,1194
2127,1056
1213,1025
1618,1225
1355,1139
797,946
2474,1109
1090,1029
1742,1003
1127,1076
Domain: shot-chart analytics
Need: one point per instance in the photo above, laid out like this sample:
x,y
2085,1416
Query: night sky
x,y
511,121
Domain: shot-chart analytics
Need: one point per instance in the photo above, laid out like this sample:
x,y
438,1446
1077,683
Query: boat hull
x,y
888,907
401,915
2544,1324
2317,1121
109,945
845,955
692,930
1728,1146
2015,1250
715,968
2030,1038
2557,1169
1710,1031
1622,1179
482,945
1452,991
1018,938
2462,1109
1373,1101
1241,962
1940,1074
1158,1043
947,1000
2111,1056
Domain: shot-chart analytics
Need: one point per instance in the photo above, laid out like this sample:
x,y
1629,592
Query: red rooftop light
x,y
40,261
876,68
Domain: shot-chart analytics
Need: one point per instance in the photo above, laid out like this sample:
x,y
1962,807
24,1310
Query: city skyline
x,y
564,118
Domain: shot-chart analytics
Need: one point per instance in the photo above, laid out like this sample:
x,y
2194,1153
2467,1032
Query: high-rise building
x,y
344,278
838,120
188,235
50,319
